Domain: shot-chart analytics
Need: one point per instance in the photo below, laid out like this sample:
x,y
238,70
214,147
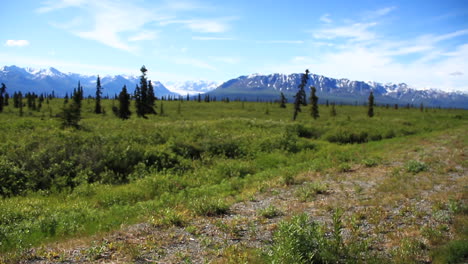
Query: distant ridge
x,y
268,87
51,79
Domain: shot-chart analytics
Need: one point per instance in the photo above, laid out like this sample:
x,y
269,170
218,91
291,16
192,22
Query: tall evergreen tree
x,y
97,107
299,99
139,103
78,95
65,99
124,104
151,98
314,101
7,97
283,100
2,92
370,111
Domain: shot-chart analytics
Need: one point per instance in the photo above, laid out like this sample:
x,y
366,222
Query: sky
x,y
421,43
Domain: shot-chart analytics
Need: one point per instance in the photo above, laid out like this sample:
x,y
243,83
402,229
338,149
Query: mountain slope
x,y
268,87
48,80
192,87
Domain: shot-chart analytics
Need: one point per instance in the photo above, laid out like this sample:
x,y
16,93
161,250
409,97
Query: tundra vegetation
x,y
232,182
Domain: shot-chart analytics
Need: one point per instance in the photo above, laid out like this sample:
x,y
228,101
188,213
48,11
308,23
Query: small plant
x,y
169,217
344,167
370,162
414,166
209,207
270,212
301,240
309,190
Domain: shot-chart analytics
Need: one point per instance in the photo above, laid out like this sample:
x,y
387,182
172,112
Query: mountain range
x,y
250,87
256,86
48,80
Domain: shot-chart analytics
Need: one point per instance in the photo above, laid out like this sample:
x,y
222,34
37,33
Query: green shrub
x,y
414,166
209,206
270,212
453,252
309,190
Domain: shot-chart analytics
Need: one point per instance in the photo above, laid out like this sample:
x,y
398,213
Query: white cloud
x,y
16,43
356,31
282,41
121,24
326,18
200,25
144,35
51,5
210,38
382,12
361,52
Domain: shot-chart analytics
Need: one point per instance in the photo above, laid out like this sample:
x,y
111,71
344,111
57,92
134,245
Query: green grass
x,y
63,183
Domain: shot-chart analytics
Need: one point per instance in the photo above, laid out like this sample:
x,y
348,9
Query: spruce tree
x,y
65,99
370,111
97,107
139,103
151,98
124,104
299,98
283,100
314,101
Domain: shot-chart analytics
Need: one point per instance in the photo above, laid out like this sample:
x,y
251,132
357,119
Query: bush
x,y
13,181
346,137
414,166
270,212
209,207
310,190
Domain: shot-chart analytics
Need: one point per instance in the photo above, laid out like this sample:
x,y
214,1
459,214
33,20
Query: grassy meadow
x,y
198,160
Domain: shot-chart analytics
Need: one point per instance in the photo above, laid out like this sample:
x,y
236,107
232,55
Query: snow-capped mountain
x,y
339,90
51,79
191,87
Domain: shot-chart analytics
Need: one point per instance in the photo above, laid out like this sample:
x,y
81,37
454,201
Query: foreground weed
x,y
270,212
309,190
209,207
414,166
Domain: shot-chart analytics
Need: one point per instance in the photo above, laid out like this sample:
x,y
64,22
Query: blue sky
x,y
422,43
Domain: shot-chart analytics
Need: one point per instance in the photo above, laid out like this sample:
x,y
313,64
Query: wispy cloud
x,y
325,18
51,5
143,35
355,31
122,24
424,61
382,11
200,25
457,73
210,38
281,41
16,43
